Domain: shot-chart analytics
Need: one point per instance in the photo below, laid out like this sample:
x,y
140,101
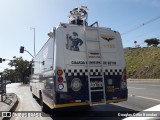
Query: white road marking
x,y
136,88
149,98
154,85
154,108
158,85
34,106
145,97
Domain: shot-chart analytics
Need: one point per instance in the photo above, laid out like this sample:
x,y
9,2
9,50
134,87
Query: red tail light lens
x,y
60,79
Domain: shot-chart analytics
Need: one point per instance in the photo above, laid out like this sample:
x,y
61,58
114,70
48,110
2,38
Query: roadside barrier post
x,y
1,86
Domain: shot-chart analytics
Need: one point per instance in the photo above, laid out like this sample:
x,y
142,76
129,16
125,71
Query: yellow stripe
x,y
84,103
116,100
49,105
70,105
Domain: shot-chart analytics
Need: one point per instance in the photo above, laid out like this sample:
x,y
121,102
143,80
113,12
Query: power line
x,y
143,24
145,43
138,36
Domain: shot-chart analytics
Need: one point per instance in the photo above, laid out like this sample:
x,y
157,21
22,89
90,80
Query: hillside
x,y
143,62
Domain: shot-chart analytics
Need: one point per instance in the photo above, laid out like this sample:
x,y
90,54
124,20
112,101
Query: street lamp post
x,y
32,28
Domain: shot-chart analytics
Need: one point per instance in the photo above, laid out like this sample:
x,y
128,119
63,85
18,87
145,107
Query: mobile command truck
x,y
80,64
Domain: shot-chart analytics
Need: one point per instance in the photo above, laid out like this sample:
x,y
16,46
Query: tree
x,y
10,74
152,41
21,68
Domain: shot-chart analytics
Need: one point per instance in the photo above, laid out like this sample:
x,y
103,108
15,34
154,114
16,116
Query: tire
x,y
41,99
30,88
33,96
44,107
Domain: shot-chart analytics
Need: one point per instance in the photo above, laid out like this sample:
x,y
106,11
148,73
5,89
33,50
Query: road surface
x,y
141,97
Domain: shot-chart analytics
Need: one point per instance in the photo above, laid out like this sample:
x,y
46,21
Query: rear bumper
x,y
85,103
117,96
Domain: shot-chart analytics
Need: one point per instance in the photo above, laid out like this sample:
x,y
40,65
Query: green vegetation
x,y
20,73
143,62
152,41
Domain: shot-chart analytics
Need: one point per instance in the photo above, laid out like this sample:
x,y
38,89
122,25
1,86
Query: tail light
x,y
60,79
60,86
59,72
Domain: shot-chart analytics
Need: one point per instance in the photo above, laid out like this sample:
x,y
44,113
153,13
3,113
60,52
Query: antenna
x,y
78,16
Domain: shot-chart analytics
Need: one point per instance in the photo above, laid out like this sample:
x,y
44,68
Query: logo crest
x,y
108,37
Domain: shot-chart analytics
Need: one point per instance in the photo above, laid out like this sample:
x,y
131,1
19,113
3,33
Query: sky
x,y
18,16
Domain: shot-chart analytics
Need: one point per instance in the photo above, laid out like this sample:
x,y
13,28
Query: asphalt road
x,y
141,97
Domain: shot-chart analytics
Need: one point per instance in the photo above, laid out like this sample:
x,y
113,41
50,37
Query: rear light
x,y
72,101
60,86
59,72
60,79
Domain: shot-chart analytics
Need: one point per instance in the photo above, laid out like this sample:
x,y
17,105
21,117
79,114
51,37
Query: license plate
x,y
95,84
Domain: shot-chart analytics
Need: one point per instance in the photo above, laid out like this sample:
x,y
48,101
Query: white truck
x,y
80,65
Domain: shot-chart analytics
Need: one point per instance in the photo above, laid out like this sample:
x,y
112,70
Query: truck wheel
x,y
33,96
41,100
30,88
44,107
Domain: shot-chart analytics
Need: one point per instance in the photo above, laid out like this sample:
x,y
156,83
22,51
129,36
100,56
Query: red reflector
x,y
72,101
60,79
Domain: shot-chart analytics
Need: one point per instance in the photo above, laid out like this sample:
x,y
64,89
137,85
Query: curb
x,y
13,108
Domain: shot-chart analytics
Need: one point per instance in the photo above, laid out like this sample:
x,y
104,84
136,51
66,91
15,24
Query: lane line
x,y
145,97
35,109
34,106
136,88
145,84
154,85
149,98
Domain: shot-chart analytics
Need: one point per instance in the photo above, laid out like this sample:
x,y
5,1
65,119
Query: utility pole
x,y
33,28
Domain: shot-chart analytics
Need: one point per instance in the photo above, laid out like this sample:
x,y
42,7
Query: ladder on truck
x,y
91,78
